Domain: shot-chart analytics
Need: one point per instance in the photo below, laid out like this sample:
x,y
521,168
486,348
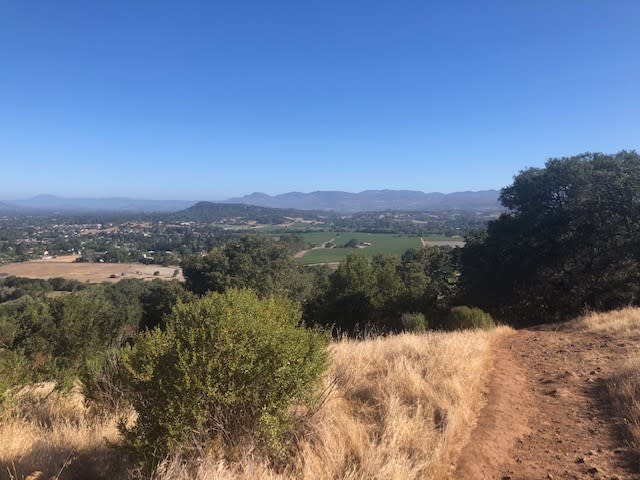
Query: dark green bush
x,y
413,322
462,318
14,370
226,370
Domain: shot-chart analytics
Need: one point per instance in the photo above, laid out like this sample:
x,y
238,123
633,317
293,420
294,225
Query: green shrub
x,y
413,322
462,318
226,370
14,370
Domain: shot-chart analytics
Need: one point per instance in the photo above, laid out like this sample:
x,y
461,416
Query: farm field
x,y
389,243
66,267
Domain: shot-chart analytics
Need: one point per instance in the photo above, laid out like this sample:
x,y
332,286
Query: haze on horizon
x,y
210,100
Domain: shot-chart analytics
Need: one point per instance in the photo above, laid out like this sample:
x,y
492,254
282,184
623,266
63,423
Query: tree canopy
x,y
252,261
569,242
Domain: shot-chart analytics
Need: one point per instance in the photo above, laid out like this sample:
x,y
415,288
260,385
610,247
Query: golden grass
x,y
42,430
624,388
398,407
624,322
402,407
624,385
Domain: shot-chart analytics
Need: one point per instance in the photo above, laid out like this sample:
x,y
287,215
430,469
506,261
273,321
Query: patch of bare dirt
x,y
548,415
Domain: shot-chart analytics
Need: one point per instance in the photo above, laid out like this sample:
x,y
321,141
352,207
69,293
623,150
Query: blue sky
x,y
207,100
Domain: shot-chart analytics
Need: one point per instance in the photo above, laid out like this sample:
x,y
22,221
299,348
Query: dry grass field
x,y
67,267
394,408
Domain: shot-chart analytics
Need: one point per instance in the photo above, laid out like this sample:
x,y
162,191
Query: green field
x,y
390,243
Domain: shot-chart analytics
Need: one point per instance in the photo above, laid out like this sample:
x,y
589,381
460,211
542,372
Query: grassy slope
x,y
397,407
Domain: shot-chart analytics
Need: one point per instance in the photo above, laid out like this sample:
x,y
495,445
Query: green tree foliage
x,y
353,243
226,369
429,277
463,318
294,242
413,322
362,294
13,288
570,241
57,337
253,261
158,300
349,300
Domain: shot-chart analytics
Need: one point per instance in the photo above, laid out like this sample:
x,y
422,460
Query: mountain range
x,y
375,200
336,201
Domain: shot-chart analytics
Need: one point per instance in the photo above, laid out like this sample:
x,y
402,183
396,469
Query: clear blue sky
x,y
205,100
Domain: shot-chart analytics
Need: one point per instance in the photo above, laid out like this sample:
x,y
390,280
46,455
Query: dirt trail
x,y
547,414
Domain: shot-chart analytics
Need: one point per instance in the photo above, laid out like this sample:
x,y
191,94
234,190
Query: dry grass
x,y
395,408
625,322
402,407
66,267
42,430
624,386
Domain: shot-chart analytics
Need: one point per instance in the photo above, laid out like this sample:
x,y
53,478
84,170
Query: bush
x,y
225,371
353,243
462,318
413,322
14,370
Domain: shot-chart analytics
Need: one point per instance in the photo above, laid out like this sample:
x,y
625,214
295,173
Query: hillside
x,y
560,402
454,222
232,214
376,200
393,407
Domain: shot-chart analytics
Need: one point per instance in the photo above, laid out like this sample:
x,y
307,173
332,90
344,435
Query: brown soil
x,y
66,267
548,415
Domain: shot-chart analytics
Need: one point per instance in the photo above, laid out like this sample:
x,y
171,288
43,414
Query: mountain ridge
x,y
374,200
319,201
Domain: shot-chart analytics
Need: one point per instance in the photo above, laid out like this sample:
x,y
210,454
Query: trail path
x,y
547,415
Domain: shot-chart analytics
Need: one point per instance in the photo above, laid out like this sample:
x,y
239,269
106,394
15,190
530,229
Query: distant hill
x,y
233,214
376,200
116,204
